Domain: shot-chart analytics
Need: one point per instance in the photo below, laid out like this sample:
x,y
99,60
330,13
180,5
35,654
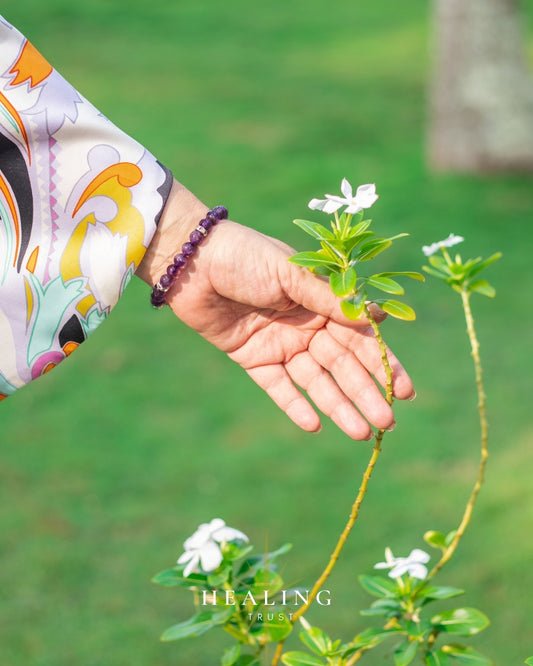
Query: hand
x,y
285,328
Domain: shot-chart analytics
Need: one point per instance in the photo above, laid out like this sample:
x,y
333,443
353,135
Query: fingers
x,y
363,344
333,395
327,396
314,294
276,382
352,378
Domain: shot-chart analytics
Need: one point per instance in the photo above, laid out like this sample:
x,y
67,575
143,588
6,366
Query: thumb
x,y
314,294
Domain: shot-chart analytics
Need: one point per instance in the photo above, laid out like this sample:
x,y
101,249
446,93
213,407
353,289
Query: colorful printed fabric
x,y
79,204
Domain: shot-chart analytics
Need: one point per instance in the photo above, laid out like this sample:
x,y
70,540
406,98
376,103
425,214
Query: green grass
x,y
109,462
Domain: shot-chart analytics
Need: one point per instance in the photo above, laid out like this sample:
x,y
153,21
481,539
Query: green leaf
x,y
397,309
337,245
437,658
352,241
483,264
416,630
330,249
342,284
378,586
314,229
410,274
234,551
461,621
458,271
266,580
316,640
312,259
529,661
386,607
405,653
347,219
218,578
372,248
175,577
353,306
393,238
231,655
385,284
359,229
450,537
251,565
467,655
435,273
276,629
371,637
197,625
482,287
324,270
441,592
435,539
301,659
439,263
247,660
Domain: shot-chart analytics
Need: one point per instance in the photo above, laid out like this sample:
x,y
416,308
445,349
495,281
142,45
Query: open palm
x,y
285,328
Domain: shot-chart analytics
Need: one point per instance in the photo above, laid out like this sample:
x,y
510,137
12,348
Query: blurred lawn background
x,y
112,460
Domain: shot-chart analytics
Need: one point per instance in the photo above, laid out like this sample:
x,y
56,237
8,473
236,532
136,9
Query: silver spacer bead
x,y
160,288
202,230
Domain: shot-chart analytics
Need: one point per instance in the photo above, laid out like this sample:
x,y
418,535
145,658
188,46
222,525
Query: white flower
x,y
364,198
452,239
413,564
202,548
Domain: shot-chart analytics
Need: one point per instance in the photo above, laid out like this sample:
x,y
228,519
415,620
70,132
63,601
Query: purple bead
x,y
220,212
158,295
196,237
157,299
206,223
166,281
188,249
173,270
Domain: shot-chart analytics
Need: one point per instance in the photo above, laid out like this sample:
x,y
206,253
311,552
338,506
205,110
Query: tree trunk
x,y
481,116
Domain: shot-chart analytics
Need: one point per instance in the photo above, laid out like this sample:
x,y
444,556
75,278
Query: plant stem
x,y
242,627
450,550
354,513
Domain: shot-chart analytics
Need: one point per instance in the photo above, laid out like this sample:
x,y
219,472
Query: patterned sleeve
x,y
79,204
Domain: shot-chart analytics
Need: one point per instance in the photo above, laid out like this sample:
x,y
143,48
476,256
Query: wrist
x,y
179,218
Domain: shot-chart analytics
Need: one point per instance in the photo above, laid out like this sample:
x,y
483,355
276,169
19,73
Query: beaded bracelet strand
x,y
159,291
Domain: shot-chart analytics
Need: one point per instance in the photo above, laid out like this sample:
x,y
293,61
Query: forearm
x,y
80,203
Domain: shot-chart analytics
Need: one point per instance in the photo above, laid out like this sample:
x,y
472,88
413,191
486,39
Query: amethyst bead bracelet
x,y
159,291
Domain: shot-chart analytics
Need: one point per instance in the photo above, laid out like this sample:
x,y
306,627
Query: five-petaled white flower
x,y
364,198
452,240
203,547
413,564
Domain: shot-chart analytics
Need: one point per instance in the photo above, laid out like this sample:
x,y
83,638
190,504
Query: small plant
x,y
242,594
343,249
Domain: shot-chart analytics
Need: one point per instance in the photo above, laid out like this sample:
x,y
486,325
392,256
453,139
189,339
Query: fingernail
x,y
370,437
412,396
391,427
